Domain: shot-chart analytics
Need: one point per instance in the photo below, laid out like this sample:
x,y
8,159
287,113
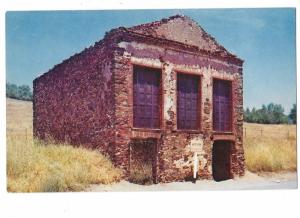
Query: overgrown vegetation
x,y
141,174
273,151
270,114
36,167
22,92
33,166
293,114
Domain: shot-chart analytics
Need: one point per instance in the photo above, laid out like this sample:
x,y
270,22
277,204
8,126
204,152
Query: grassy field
x,y
33,166
270,148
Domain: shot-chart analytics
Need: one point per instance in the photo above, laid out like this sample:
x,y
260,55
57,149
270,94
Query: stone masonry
x,y
87,99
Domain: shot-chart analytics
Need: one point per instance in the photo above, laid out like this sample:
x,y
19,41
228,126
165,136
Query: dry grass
x,y
33,166
141,174
271,150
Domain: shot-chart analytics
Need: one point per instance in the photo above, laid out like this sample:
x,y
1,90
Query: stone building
x,y
155,93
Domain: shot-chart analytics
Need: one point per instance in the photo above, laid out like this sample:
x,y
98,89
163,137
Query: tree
x,y
22,92
293,114
247,115
11,90
254,116
264,115
276,113
270,114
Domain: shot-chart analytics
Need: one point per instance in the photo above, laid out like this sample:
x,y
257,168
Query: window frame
x,y
230,81
199,102
159,70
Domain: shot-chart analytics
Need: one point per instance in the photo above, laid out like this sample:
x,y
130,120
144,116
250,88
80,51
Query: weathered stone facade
x,y
87,100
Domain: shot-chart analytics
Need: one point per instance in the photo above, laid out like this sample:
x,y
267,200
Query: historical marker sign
x,y
196,145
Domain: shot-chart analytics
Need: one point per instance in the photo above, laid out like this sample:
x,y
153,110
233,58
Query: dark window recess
x,y
222,105
187,102
146,98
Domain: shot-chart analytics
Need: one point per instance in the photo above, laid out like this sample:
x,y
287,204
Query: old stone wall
x,y
87,100
175,158
74,101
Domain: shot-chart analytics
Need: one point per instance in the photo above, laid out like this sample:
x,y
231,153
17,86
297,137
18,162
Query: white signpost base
x,y
196,147
195,168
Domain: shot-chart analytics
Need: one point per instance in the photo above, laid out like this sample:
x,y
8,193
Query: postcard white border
x,y
138,204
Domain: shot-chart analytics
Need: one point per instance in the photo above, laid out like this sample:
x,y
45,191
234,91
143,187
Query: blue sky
x,y
264,38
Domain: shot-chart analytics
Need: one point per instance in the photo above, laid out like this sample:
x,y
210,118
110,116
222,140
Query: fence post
x,y
261,132
26,136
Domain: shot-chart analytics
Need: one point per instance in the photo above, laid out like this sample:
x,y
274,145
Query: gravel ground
x,y
250,181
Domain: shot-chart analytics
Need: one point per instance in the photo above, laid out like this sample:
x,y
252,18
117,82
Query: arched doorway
x,y
221,160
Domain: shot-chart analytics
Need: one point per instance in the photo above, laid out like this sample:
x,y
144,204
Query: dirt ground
x,y
250,181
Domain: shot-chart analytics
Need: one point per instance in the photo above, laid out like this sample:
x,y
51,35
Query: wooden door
x,y
221,160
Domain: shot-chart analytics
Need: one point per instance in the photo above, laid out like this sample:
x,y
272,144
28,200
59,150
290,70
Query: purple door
x,y
146,98
187,101
222,105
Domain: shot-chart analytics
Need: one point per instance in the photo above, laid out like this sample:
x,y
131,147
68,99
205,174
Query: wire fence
x,y
261,132
23,131
248,132
20,132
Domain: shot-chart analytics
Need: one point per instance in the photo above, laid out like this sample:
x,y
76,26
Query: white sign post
x,y
196,146
195,169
